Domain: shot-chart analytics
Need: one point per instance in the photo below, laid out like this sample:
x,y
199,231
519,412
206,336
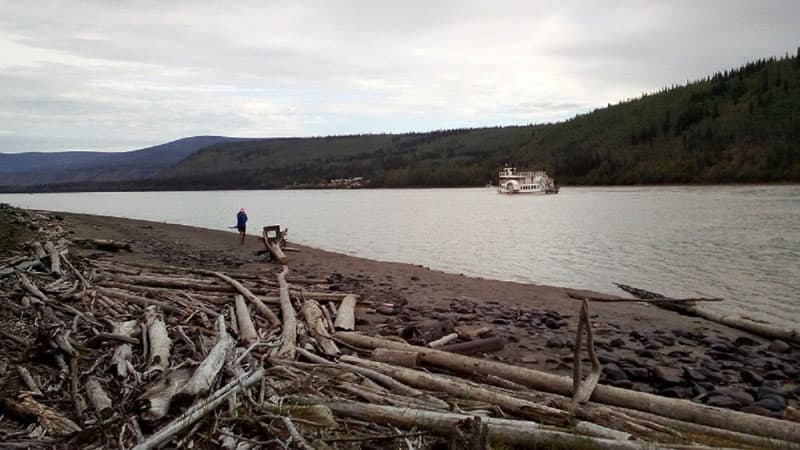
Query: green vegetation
x,y
736,126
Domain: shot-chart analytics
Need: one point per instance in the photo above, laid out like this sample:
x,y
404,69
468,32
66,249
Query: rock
x,y
624,384
668,375
606,358
772,403
550,323
693,374
649,354
386,310
752,409
739,395
750,377
665,340
500,322
722,401
636,335
617,343
638,373
676,392
744,341
778,346
612,372
775,375
555,342
529,359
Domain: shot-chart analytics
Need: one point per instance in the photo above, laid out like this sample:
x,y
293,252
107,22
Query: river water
x,y
741,243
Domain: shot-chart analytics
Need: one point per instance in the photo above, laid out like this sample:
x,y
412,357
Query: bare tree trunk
x,y
55,258
262,308
466,389
515,432
674,408
159,340
396,357
317,326
247,332
345,316
287,348
98,398
205,374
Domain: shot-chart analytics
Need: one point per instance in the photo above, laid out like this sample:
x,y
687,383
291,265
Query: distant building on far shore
x,y
347,183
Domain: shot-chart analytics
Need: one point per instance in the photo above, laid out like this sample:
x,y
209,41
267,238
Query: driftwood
x,y
121,359
262,308
158,396
199,410
734,321
345,315
444,340
675,408
289,330
465,389
515,432
470,332
484,345
98,398
55,258
247,332
108,245
318,328
26,377
582,389
159,340
203,377
27,409
396,357
273,244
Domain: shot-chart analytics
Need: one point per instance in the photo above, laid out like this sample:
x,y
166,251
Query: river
x,y
741,243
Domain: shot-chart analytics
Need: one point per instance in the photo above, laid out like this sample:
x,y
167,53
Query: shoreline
x,y
640,346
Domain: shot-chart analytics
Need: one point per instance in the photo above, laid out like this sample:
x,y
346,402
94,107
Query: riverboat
x,y
513,182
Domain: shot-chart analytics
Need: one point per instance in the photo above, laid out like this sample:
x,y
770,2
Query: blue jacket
x,y
241,219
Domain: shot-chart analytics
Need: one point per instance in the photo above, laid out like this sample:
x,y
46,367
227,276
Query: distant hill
x,y
739,125
28,169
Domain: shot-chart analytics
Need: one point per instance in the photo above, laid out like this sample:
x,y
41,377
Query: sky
x,y
121,75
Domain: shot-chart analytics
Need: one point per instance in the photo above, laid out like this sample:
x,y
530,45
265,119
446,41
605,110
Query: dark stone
x,y
722,401
753,409
676,392
653,346
512,338
649,354
614,373
550,323
744,341
768,391
721,348
775,375
500,322
739,395
693,374
679,354
414,278
617,343
386,310
624,384
555,342
668,375
666,340
638,373
772,403
636,335
606,358
778,346
750,377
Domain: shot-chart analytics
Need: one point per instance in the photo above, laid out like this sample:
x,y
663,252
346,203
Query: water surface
x,y
741,243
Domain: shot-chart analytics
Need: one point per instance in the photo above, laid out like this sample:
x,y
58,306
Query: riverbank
x,y
641,347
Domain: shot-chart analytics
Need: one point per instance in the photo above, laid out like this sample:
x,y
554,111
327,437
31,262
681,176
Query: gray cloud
x,y
100,75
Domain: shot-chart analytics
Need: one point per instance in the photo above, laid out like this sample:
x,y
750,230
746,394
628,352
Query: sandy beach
x,y
641,346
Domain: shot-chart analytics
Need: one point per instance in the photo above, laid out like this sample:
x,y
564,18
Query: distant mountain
x,y
740,125
29,169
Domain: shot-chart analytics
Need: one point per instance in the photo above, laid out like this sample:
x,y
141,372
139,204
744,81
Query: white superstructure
x,y
513,182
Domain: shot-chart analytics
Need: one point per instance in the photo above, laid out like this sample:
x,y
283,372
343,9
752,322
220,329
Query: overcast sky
x,y
122,75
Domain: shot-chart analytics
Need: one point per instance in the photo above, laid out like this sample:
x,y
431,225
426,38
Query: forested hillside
x,y
739,125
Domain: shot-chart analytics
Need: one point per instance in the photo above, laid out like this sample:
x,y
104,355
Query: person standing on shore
x,y
241,224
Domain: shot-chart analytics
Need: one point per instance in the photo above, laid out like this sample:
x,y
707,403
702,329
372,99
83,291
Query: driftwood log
x,y
345,315
675,408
